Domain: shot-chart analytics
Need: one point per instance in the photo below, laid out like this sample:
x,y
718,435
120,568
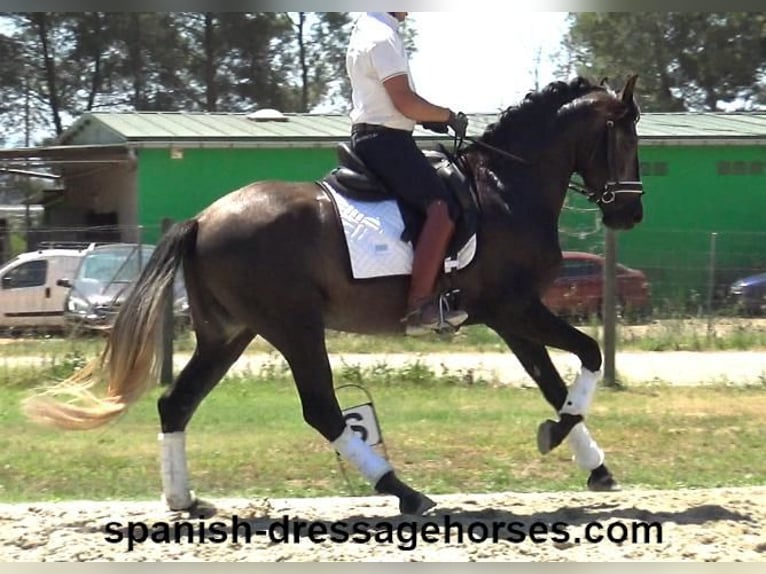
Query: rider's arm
x,y
411,104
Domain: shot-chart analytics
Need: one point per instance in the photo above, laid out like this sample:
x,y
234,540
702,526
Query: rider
x,y
385,111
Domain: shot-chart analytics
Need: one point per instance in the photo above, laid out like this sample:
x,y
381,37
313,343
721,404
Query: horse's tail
x,y
130,362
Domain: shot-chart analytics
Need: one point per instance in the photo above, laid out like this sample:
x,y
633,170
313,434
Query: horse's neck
x,y
540,185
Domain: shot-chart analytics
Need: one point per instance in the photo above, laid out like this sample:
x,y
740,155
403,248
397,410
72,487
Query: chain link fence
x,y
690,272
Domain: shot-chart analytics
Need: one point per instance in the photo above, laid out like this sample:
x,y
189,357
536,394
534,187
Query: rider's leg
x,y
423,313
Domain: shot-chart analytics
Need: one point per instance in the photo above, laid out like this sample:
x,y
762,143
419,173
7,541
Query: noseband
x,y
614,186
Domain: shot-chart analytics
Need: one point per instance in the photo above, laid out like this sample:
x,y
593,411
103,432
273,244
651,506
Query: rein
x,y
497,150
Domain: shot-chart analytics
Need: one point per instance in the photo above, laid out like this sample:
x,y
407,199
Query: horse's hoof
x,y
202,509
180,503
415,504
601,480
545,436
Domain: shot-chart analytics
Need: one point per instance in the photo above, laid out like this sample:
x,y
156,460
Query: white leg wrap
x,y
354,450
581,393
587,454
175,478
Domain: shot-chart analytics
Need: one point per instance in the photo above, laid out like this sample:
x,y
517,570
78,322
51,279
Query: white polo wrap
x,y
357,452
581,393
587,454
175,477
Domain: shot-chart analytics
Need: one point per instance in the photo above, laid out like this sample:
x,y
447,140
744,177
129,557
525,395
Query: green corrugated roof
x,y
159,128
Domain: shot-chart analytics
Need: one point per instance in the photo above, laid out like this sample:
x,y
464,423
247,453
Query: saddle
x,y
354,180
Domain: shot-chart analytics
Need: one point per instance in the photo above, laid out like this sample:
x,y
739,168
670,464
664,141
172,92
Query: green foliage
x,y
58,64
685,60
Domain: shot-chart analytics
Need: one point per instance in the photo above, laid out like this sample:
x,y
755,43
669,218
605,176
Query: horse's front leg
x,y
570,404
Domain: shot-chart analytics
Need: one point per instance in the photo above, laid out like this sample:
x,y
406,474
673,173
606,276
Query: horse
x,y
269,260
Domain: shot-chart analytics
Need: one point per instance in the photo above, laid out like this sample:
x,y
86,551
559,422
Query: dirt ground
x,y
727,524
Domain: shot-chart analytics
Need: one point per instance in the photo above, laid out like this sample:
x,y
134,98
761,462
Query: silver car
x,y
103,280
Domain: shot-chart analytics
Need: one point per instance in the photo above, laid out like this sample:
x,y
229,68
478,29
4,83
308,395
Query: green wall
x,y
691,193
180,188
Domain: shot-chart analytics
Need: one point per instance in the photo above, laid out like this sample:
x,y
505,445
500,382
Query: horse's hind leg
x,y
301,340
536,360
208,364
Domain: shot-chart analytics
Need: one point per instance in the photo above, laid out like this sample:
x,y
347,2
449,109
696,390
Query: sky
x,y
484,61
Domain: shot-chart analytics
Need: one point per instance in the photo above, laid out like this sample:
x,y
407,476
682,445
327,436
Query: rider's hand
x,y
438,127
459,123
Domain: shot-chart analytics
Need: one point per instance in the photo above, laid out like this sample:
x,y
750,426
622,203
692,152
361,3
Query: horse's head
x,y
607,158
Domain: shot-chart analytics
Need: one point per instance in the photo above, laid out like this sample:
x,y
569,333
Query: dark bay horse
x,y
269,259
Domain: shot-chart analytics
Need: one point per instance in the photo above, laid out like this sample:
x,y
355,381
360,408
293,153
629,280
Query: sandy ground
x,y
726,524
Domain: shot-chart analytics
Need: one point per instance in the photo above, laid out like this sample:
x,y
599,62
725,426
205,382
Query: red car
x,y
579,289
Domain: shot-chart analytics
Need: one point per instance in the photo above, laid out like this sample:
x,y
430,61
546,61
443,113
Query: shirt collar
x,y
386,18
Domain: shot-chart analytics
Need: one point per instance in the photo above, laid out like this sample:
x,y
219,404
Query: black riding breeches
x,y
394,157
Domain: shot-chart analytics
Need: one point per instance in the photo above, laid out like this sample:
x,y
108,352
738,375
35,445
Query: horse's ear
x,y
627,91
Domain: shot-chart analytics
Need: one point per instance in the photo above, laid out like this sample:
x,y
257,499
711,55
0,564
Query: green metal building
x,y
705,206
704,176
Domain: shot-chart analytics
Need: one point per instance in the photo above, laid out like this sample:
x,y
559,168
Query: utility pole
x,y
609,307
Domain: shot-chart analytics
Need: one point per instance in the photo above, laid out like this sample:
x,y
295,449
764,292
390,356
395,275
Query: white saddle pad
x,y
373,231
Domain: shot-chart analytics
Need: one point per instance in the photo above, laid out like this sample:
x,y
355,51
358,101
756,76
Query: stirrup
x,y
435,316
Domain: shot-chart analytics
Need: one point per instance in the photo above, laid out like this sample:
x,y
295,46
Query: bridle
x,y
614,186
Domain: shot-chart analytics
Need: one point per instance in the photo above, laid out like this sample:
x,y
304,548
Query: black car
x,y
749,294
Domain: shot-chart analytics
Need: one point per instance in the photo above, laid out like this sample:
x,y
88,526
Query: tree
x,y
56,65
685,60
317,51
148,62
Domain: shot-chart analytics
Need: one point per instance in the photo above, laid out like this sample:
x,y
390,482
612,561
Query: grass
x,y
441,433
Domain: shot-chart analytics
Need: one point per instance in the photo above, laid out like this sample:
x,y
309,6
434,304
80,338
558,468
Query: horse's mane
x,y
528,125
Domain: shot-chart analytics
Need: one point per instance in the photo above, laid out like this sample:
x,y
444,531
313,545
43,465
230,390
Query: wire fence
x,y
690,273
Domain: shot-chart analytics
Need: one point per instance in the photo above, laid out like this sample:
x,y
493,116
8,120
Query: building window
x,y
654,168
740,167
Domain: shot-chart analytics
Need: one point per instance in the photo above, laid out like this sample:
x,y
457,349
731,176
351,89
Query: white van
x,y
29,294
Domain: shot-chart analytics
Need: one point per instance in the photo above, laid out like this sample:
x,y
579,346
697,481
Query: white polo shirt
x,y
375,53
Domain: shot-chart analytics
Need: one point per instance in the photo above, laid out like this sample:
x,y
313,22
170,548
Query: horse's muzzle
x,y
624,217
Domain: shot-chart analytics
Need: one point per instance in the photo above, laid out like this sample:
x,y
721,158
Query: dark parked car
x,y
578,291
749,294
103,280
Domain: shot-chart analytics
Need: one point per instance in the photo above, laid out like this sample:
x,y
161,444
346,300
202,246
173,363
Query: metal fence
x,y
689,272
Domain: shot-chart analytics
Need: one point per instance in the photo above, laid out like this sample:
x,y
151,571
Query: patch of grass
x,y
443,434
